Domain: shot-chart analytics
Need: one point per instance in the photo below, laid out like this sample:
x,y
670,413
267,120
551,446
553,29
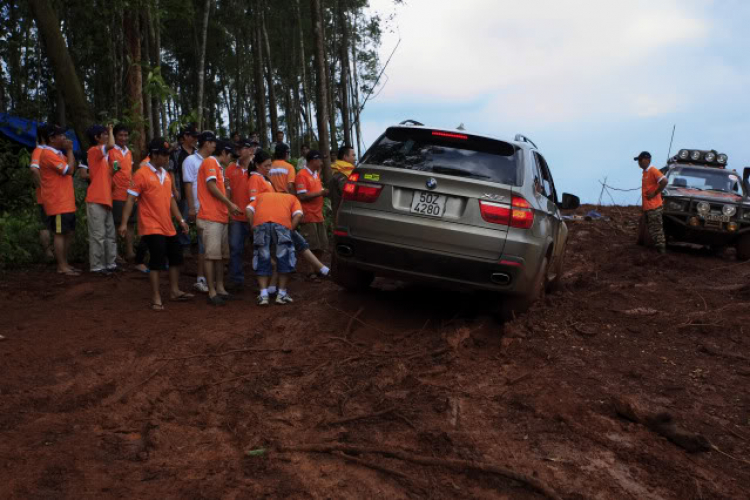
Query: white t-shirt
x,y
190,168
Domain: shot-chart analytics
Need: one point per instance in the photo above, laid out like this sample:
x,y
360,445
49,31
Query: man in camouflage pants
x,y
653,183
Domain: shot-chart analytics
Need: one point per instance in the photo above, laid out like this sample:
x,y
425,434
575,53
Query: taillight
x,y
354,177
519,214
363,193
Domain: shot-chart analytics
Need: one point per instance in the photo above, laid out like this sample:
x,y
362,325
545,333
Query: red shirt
x,y
211,208
239,188
153,188
57,184
308,182
121,180
100,189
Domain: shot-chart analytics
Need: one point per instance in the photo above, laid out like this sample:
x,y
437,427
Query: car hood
x,y
704,195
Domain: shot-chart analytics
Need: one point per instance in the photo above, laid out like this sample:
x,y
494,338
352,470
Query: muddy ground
x,y
102,398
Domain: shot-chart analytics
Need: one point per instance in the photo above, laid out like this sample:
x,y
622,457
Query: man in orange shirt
x,y
282,172
152,186
652,184
238,178
57,170
274,216
121,160
213,220
102,236
310,191
36,177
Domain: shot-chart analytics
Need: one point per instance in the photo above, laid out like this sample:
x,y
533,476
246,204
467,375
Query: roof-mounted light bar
x,y
710,158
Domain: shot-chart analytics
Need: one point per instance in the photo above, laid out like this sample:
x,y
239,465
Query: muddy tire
x,y
350,278
644,237
554,281
512,307
743,248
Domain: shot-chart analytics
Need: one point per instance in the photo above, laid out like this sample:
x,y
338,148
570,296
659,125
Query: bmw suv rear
x,y
460,210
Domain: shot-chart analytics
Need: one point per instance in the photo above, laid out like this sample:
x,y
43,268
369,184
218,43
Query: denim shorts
x,y
275,240
299,242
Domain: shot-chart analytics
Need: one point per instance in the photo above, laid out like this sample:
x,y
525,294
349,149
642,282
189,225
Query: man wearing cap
x,y
187,138
190,168
57,170
342,169
310,192
652,184
121,161
152,186
101,225
213,219
282,173
238,177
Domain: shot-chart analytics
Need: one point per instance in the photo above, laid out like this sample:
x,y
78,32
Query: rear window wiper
x,y
456,171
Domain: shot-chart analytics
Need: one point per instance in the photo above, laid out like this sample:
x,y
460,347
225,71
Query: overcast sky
x,y
592,82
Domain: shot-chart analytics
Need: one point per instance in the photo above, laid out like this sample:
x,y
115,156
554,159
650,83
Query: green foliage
x,y
19,238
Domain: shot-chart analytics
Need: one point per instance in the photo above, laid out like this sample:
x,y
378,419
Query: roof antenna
x,y
460,127
674,127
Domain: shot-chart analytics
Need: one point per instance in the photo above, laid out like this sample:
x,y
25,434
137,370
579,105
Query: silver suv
x,y
456,209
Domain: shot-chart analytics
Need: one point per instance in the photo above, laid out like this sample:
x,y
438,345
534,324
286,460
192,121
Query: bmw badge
x,y
431,183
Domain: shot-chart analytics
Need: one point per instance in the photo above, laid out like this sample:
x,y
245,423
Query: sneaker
x,y
263,300
284,299
201,287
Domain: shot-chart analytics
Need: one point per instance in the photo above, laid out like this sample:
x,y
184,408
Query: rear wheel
x,y
348,277
554,278
512,307
743,248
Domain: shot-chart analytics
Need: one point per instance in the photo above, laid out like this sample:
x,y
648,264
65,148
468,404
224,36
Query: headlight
x,y
695,155
703,208
722,158
746,214
710,157
729,210
677,206
684,154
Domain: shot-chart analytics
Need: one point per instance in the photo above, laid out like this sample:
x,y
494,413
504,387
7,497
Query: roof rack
x,y
412,122
523,138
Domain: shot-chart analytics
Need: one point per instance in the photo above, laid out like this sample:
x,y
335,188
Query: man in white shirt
x,y
190,167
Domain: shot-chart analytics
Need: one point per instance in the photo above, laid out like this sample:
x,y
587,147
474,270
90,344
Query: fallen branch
x,y
354,318
381,468
722,354
358,417
226,353
350,324
141,383
581,331
458,465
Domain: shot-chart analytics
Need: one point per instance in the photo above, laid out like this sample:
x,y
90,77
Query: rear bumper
x,y
508,276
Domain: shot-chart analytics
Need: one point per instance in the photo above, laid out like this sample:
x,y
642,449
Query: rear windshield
x,y
446,153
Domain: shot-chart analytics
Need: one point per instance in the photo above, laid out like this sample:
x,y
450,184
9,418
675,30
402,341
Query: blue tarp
x,y
23,131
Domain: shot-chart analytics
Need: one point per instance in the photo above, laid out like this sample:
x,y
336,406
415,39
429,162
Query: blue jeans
x,y
300,244
183,237
238,232
268,239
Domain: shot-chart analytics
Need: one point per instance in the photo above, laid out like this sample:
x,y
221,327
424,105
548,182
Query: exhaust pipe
x,y
500,278
345,250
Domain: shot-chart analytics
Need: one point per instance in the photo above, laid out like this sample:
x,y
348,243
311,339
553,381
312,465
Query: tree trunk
x,y
355,92
135,79
322,85
272,104
331,67
147,109
344,55
202,63
152,18
260,91
306,94
62,64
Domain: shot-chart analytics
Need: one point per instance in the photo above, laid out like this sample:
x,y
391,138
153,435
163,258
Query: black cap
x,y
189,129
207,136
244,142
644,154
54,130
224,145
159,146
314,155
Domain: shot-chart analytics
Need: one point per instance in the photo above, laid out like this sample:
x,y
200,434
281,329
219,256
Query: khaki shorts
x,y
215,239
316,235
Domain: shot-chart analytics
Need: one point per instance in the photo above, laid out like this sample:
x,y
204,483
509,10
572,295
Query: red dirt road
x,y
102,398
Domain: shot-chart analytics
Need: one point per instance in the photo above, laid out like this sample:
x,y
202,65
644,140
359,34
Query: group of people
x,y
232,190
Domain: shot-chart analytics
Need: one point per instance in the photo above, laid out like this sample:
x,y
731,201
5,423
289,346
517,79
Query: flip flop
x,y
70,272
183,298
157,307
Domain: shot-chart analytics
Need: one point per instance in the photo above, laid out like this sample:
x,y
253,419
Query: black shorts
x,y
42,215
163,249
117,207
61,223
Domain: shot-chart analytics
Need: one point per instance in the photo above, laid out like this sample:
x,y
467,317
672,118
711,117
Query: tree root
x,y
457,465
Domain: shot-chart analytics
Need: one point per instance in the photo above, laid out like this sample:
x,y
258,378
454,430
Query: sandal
x,y
157,307
69,272
184,297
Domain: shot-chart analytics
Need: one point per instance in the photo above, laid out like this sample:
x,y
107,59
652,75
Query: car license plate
x,y
717,218
431,204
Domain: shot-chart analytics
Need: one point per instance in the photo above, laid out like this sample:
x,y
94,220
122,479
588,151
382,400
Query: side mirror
x,y
570,202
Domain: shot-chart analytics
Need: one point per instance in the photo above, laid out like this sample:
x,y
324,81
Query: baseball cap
x,y
224,145
159,146
54,130
644,154
314,155
244,142
207,136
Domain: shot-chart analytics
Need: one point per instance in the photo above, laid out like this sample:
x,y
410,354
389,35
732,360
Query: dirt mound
x,y
399,392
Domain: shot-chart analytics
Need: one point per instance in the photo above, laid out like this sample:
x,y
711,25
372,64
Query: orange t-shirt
x,y
121,180
282,174
35,155
211,207
239,188
57,184
649,184
153,188
309,183
100,189
275,207
258,185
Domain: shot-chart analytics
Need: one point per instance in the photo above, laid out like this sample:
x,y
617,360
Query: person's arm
x,y
178,215
36,177
214,190
250,214
126,211
71,170
110,141
296,219
662,184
